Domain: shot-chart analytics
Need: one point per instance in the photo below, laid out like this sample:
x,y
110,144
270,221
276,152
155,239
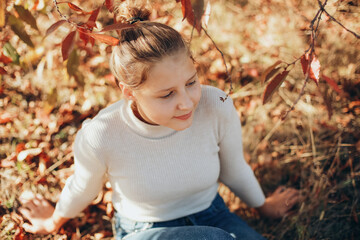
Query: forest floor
x,y
316,149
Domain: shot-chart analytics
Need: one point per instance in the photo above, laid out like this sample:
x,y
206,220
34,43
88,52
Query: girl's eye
x,y
191,83
168,95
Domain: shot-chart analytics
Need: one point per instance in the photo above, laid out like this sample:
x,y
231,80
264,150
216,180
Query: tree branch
x,y
228,78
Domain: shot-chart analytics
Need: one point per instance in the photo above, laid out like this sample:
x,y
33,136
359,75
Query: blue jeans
x,y
213,223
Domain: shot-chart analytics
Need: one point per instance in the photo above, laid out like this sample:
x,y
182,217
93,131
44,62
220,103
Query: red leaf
x,y
19,234
193,12
5,59
74,7
104,38
266,75
109,5
185,8
304,62
2,71
92,19
54,27
116,26
83,36
314,66
67,45
332,84
273,85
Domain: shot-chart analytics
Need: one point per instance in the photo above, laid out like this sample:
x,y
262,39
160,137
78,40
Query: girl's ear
x,y
127,92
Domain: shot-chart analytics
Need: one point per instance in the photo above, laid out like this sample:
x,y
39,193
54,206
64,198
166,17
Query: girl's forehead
x,y
172,64
170,72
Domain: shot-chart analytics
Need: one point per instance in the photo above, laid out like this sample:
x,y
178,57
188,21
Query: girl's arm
x,y
80,189
239,177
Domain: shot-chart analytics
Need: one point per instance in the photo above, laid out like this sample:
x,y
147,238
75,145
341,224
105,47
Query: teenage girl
x,y
164,149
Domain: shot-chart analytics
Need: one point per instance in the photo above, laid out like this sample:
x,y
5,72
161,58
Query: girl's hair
x,y
142,45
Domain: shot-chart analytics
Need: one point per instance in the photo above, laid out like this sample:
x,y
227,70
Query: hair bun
x,y
133,11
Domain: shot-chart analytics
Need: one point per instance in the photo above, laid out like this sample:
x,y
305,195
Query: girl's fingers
x,y
294,200
280,189
39,196
25,212
30,205
36,201
29,228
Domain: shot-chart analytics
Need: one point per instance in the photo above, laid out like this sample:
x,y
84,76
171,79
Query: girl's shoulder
x,y
211,100
105,116
103,124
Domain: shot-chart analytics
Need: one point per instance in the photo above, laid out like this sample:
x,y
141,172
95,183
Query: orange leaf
x,y
36,3
2,13
332,84
67,45
273,85
5,59
74,7
266,74
54,27
20,147
104,38
5,117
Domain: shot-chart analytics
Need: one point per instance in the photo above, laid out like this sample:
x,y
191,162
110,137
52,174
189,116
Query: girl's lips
x,y
184,117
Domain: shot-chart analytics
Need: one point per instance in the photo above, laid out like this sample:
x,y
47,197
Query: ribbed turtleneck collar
x,y
142,128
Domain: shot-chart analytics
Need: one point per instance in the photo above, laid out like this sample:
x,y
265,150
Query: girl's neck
x,y
137,114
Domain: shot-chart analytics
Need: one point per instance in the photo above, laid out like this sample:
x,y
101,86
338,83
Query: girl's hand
x,y
39,212
280,202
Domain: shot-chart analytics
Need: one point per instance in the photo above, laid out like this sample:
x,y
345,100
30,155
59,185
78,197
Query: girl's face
x,y
170,94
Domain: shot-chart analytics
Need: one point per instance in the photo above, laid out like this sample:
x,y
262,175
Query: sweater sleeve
x,y
86,182
235,171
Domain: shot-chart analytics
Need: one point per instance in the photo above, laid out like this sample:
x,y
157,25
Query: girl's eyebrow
x,y
163,90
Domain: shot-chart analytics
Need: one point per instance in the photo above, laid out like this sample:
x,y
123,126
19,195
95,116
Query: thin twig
x,y
316,20
334,19
228,78
298,98
77,25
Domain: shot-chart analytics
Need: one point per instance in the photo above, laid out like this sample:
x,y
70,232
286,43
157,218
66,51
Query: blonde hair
x,y
142,45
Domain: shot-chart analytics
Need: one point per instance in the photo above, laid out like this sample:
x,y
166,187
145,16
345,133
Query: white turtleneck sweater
x,y
157,173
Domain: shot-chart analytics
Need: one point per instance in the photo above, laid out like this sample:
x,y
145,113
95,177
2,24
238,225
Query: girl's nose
x,y
185,102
